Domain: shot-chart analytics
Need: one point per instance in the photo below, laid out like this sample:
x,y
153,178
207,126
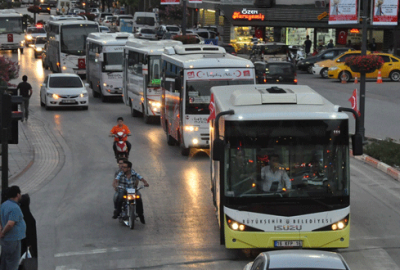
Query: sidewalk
x,y
21,155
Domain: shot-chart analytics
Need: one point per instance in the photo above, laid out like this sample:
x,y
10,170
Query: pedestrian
x,y
307,45
330,44
25,90
31,234
12,230
372,46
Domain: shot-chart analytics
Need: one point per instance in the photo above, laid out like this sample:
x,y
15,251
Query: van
x,y
145,19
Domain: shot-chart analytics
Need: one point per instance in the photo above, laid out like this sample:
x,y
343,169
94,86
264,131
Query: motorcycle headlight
x,y
333,68
38,49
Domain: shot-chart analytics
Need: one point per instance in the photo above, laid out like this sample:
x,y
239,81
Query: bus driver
x,y
273,178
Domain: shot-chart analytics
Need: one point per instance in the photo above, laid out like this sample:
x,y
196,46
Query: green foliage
x,y
387,151
28,18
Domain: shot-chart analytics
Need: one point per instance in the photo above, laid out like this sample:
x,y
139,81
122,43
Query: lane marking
x,y
92,252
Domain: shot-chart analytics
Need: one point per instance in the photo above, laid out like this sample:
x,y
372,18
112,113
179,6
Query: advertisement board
x,y
170,2
343,12
385,12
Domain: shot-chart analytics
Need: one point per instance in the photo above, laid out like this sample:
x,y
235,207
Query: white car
x,y
298,259
107,21
316,70
64,90
146,33
38,45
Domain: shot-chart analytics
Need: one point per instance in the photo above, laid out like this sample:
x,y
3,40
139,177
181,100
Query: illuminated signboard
x,y
156,81
248,14
354,31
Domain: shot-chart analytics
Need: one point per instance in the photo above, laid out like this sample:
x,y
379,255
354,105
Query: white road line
x,y
64,267
92,252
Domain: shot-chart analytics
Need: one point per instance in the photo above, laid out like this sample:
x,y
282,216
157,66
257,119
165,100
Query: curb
x,y
379,165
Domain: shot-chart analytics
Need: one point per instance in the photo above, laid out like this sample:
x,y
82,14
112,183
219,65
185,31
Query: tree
x,y
8,70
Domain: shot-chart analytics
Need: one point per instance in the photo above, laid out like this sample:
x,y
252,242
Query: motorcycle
x,y
122,147
128,211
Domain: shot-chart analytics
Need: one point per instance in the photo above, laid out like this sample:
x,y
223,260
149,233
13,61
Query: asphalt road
x,y
73,208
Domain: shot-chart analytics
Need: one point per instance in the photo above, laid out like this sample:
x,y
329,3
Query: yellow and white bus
x,y
188,73
280,168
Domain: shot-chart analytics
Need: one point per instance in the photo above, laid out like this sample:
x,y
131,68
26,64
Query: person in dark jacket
x,y
31,235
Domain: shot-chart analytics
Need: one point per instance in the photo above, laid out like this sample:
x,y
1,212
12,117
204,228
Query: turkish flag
x,y
212,109
353,101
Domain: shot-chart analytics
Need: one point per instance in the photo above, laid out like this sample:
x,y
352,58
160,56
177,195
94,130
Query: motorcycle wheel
x,y
132,216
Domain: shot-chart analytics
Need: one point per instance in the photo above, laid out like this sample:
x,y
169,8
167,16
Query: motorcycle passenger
x,y
120,162
120,127
127,178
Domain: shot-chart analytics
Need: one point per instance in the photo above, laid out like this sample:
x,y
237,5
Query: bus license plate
x,y
288,243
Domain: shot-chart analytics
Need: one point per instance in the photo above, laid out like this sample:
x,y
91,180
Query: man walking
x,y
25,90
12,230
307,45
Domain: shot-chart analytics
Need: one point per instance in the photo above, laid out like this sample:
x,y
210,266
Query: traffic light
x,y
10,116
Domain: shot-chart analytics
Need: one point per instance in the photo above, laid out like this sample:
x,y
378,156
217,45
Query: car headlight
x,y
38,49
333,68
55,96
29,37
84,94
191,128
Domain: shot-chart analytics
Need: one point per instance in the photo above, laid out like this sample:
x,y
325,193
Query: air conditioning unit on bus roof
x,y
321,3
196,49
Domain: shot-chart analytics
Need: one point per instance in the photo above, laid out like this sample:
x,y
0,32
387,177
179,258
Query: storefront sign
x,y
170,2
354,31
343,11
385,12
248,14
322,15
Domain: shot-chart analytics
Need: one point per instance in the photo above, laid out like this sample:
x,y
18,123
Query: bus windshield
x,y
11,25
154,70
113,61
294,159
73,38
145,21
198,94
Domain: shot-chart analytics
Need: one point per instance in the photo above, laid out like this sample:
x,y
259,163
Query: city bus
x,y
142,92
188,73
105,56
66,48
12,30
280,168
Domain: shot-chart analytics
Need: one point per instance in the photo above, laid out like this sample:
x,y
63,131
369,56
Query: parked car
x,y
32,33
298,259
307,63
44,8
107,21
38,45
64,90
167,28
390,68
104,29
146,33
229,49
278,72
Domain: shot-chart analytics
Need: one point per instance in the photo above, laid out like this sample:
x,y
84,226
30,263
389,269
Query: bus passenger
x,y
273,178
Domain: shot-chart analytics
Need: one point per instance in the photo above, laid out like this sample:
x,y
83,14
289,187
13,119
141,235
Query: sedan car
x,y
38,45
32,33
44,8
298,259
278,72
146,33
64,90
104,29
307,64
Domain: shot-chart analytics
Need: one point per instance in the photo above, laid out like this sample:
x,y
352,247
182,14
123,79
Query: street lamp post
x,y
362,79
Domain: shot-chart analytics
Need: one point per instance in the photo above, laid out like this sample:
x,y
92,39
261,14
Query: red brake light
x,y
39,26
295,80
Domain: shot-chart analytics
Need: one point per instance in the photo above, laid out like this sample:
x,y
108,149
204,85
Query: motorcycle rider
x,y
127,178
120,127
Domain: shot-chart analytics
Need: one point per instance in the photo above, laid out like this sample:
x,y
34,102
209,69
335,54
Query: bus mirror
x,y
218,150
178,84
357,144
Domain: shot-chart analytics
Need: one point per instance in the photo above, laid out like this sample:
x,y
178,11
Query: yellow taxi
x,y
390,68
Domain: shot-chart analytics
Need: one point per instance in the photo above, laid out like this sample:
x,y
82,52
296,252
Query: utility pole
x,y
184,18
362,79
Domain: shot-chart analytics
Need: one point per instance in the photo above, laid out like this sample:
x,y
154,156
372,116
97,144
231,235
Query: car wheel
x,y
347,76
395,75
324,73
41,101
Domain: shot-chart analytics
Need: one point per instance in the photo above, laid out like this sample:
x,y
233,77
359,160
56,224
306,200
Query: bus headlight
x,y
236,226
340,225
195,141
64,68
155,104
191,128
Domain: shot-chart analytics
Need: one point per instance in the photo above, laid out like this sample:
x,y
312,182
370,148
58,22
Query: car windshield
x,y
147,31
304,158
73,38
203,34
145,21
36,31
65,82
172,29
198,94
279,69
40,41
11,25
113,61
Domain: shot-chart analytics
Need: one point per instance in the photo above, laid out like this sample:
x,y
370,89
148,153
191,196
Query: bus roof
x,y
203,56
66,17
149,46
269,102
72,22
111,39
9,13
